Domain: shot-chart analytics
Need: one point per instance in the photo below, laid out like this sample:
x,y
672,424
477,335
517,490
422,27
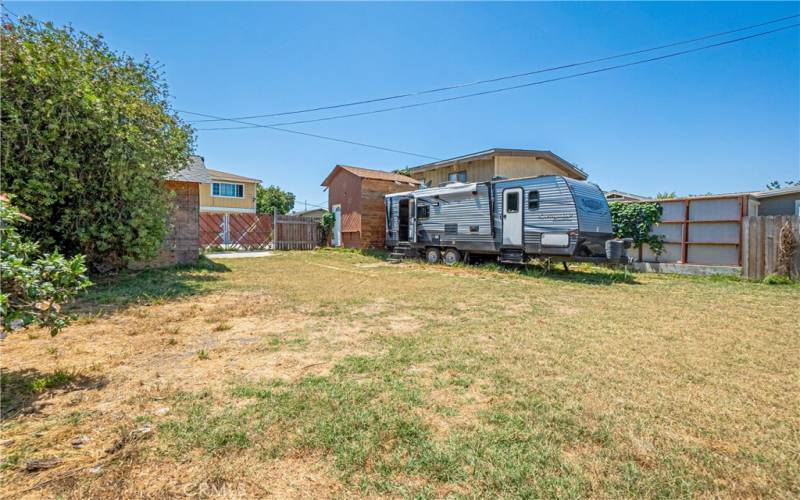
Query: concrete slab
x,y
238,255
695,269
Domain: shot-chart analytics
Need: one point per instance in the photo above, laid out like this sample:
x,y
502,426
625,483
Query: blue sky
x,y
722,120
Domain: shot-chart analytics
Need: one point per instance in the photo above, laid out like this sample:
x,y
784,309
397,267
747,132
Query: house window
x,y
423,212
533,200
512,202
457,176
227,190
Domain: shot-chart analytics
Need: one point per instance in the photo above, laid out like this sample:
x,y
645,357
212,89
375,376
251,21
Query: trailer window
x,y
512,202
533,200
423,212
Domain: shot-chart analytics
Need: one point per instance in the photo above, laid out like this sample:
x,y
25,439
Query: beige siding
x,y
477,171
220,203
527,166
484,170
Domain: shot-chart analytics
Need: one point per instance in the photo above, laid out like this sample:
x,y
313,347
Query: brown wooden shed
x,y
355,197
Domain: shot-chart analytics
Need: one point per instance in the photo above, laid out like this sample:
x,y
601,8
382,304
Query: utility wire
x,y
517,75
9,10
297,132
317,136
514,87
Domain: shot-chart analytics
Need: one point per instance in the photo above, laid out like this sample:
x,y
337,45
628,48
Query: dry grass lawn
x,y
333,374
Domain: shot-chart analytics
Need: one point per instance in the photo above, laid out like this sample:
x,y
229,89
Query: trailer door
x,y
412,220
512,217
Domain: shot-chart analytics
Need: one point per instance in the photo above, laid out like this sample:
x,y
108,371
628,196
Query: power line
x,y
514,87
9,10
307,134
508,77
297,132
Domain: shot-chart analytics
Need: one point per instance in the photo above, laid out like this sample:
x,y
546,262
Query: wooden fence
x,y
761,243
293,232
700,230
253,231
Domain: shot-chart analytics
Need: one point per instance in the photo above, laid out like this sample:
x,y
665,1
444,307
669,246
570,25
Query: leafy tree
x,y
35,285
88,137
665,195
635,220
777,185
270,198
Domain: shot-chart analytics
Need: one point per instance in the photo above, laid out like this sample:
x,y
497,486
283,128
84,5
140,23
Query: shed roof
x,y
491,153
195,171
227,176
368,173
778,192
627,195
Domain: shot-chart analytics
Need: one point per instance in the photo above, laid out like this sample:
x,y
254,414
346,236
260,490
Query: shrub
x,y
34,285
327,222
88,138
635,221
777,279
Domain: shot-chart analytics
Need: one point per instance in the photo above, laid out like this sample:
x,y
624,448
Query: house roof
x,y
778,192
309,211
227,176
491,153
368,173
195,171
624,194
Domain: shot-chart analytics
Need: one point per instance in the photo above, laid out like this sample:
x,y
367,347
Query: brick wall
x,y
182,244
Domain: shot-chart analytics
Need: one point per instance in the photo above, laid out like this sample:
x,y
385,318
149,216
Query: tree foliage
x,y
777,185
327,222
635,220
270,198
35,285
665,195
88,138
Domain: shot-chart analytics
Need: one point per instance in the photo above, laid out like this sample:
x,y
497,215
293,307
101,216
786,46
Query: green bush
x,y
327,222
635,220
777,279
88,138
34,285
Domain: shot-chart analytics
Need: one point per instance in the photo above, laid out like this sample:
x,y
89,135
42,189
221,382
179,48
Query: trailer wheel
x,y
451,256
432,255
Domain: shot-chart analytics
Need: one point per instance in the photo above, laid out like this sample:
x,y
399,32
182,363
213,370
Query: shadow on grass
x,y
150,286
581,274
23,388
367,252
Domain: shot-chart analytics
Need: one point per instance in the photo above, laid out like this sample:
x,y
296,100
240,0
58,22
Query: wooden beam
x,y
685,237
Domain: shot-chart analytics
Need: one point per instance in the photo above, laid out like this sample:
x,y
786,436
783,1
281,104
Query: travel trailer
x,y
547,216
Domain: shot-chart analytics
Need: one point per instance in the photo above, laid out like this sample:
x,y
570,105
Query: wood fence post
x,y
275,228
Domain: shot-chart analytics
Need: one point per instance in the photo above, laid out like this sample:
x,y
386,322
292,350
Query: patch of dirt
x,y
145,355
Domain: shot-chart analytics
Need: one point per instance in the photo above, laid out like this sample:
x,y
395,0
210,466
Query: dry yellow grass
x,y
333,374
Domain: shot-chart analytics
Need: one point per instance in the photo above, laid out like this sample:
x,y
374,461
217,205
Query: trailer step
x,y
397,256
512,256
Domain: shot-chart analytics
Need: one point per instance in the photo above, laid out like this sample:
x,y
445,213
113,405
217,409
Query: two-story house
x,y
484,165
228,193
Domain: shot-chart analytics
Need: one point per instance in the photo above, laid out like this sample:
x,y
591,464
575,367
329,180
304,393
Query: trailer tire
x,y
451,256
432,255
